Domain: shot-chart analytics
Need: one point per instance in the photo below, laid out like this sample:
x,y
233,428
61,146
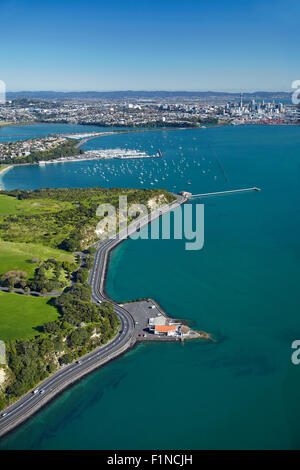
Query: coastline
x,y
62,385
2,172
66,160
17,124
79,158
5,169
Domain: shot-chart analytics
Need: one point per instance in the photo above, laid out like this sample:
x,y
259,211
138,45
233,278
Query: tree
x,y
66,359
11,283
71,244
51,367
82,275
23,284
78,337
2,401
91,250
51,327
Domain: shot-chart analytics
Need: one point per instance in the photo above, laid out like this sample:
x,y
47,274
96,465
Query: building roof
x,y
165,328
184,329
159,320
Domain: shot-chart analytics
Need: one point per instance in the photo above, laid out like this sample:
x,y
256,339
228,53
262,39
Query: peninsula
x,y
85,327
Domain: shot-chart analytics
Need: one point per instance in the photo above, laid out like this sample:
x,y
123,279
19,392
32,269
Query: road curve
x,y
31,402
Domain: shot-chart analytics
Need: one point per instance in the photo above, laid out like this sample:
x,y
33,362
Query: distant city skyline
x,y
140,45
233,91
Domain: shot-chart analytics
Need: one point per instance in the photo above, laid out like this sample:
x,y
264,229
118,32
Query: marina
x,y
108,154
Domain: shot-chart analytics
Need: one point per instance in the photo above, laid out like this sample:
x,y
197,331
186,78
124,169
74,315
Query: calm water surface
x,y
243,287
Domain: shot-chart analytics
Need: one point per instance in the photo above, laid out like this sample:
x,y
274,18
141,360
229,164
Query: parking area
x,y
141,311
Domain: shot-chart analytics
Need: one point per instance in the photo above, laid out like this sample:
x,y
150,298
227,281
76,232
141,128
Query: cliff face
x,y
2,376
157,201
109,224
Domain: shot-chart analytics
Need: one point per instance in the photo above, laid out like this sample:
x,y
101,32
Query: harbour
x,y
107,154
247,372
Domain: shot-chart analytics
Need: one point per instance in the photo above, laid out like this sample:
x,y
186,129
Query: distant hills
x,y
130,94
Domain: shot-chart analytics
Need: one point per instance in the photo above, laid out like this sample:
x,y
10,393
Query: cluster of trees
x,y
48,276
67,149
69,228
82,275
24,102
88,196
61,272
193,122
75,307
157,123
81,326
15,278
71,243
29,362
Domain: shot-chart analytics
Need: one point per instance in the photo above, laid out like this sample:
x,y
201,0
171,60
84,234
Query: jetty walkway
x,y
190,196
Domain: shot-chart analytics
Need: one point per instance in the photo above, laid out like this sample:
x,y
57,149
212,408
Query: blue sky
x,y
149,45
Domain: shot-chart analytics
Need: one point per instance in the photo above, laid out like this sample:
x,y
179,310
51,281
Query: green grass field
x,y
16,256
22,316
12,206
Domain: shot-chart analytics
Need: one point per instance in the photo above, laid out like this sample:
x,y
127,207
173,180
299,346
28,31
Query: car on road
x,y
42,392
78,362
3,414
35,391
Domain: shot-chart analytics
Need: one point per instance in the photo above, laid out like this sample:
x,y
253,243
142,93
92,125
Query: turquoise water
x,y
243,286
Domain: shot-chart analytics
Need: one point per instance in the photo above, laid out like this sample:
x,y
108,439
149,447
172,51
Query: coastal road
x,y
32,402
27,405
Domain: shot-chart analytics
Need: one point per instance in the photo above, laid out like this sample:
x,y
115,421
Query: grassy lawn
x,y
12,206
16,256
21,315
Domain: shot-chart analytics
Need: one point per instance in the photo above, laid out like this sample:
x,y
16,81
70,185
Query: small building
x,y
166,330
185,330
158,320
